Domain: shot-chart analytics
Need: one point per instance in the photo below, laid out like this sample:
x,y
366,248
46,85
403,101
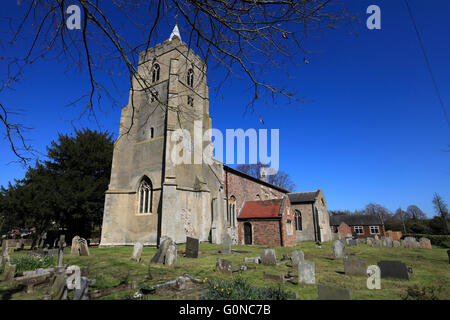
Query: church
x,y
149,196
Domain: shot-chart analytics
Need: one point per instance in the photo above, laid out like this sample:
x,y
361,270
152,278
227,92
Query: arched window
x,y
232,212
258,197
298,220
152,132
190,78
145,196
155,72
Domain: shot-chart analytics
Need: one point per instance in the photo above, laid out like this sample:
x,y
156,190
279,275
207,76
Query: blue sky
x,y
374,132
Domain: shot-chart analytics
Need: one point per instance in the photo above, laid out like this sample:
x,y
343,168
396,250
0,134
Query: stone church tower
x,y
150,196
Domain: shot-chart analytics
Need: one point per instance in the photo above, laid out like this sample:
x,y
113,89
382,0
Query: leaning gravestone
x,y
75,250
354,266
297,256
328,292
82,292
159,256
226,244
84,250
306,272
338,249
171,255
393,269
268,257
137,252
191,247
425,243
224,266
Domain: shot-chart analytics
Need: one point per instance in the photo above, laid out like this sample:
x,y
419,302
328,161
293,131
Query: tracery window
x,y
298,220
190,78
155,72
145,196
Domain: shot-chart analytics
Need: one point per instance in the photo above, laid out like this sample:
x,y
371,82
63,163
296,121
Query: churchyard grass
x,y
112,267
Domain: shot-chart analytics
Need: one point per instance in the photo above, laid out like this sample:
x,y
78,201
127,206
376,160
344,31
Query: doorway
x,y
247,233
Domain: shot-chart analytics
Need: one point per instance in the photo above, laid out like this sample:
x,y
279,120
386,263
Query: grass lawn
x,y
112,266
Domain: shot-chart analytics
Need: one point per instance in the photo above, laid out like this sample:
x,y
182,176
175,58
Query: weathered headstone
x,y
354,266
387,242
226,244
5,254
376,237
256,260
82,293
393,269
306,272
396,243
61,250
171,255
268,257
137,252
369,241
339,249
75,250
329,292
410,242
84,250
8,272
374,277
275,277
352,242
162,250
425,243
191,247
296,257
42,242
377,243
224,266
59,285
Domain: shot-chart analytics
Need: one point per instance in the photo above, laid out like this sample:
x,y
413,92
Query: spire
x,y
175,32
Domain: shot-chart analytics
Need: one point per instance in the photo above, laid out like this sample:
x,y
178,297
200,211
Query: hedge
x,y
436,240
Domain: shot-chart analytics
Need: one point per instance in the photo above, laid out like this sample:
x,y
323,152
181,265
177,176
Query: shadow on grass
x,y
7,294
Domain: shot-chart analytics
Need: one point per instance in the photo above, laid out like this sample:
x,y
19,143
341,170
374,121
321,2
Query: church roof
x,y
355,220
302,197
262,209
175,32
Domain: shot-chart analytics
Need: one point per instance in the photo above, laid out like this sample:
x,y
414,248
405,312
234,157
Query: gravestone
x,y
226,244
387,242
82,293
329,292
256,260
159,256
84,250
377,243
376,237
354,266
352,242
410,242
59,285
275,277
393,269
361,241
268,257
396,243
61,250
137,252
297,256
171,255
369,241
191,247
425,243
306,272
75,250
224,266
8,272
339,249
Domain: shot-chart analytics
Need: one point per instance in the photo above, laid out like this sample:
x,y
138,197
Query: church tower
x,y
151,194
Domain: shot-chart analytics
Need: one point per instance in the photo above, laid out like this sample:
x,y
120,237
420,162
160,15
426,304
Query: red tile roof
x,y
261,209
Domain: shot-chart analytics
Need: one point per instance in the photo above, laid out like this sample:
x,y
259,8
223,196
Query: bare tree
x,y
377,210
246,39
441,208
415,213
281,179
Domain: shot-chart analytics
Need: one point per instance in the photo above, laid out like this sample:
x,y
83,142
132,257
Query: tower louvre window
x,y
190,101
154,96
190,78
155,72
